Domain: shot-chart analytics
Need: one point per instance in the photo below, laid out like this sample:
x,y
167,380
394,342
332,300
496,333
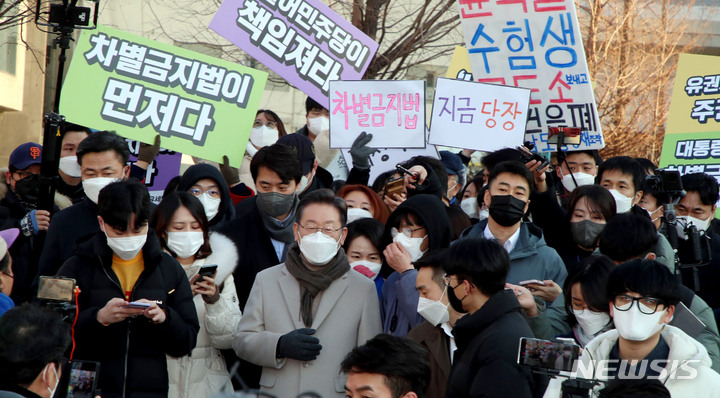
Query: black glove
x,y
147,152
229,173
360,152
299,344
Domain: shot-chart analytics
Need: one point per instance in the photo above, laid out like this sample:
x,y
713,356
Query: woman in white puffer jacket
x,y
181,224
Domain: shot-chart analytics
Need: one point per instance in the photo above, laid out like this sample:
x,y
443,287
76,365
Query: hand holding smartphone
x,y
206,270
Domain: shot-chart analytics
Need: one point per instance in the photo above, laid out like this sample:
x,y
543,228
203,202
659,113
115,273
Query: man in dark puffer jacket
x,y
124,263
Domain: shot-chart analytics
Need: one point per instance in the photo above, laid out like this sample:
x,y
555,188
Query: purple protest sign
x,y
305,42
164,168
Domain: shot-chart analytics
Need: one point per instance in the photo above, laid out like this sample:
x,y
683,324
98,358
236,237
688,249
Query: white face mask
x,y
357,213
433,311
304,183
633,325
70,166
318,248
622,202
250,150
412,245
366,268
57,380
450,190
591,322
684,221
92,186
127,247
470,207
319,125
185,243
580,178
210,204
263,136
650,213
483,214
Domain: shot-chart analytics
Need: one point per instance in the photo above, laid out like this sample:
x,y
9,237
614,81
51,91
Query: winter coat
x,y
436,342
691,376
204,372
487,341
531,258
132,352
347,316
399,295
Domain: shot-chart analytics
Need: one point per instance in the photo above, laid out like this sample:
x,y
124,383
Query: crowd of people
x,y
421,283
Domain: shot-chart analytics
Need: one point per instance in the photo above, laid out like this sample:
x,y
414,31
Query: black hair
x,y
172,185
634,388
311,104
164,212
483,262
592,274
705,185
477,182
326,197
279,158
369,228
598,200
381,180
77,128
102,141
5,262
119,200
30,338
628,236
648,278
402,361
437,166
492,159
513,167
562,156
627,166
647,165
433,259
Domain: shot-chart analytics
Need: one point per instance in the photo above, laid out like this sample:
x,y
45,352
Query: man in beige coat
x,y
305,315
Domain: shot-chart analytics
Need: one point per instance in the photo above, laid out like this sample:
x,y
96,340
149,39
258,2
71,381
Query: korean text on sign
x,y
303,41
534,44
393,111
477,115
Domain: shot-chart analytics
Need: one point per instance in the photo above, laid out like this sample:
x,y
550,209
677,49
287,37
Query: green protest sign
x,y
200,105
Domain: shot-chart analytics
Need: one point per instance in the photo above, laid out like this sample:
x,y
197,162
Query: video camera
x,y
555,359
58,294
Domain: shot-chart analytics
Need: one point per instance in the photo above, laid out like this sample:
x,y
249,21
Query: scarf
x,y
313,282
281,230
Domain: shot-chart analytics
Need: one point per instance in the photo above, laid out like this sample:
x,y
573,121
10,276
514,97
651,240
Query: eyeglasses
x,y
646,305
408,231
6,274
213,193
327,230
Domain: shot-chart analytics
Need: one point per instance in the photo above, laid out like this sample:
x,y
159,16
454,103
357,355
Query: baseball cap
x,y
25,156
453,163
303,147
8,237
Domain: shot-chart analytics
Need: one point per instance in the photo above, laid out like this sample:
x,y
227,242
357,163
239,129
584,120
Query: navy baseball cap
x,y
25,156
303,147
453,163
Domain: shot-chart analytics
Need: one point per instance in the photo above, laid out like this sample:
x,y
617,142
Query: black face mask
x,y
506,210
28,189
455,302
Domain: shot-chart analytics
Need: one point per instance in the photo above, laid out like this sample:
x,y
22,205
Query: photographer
x,y
32,343
122,263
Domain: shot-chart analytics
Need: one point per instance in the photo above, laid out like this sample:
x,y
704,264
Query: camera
x,y
555,359
58,294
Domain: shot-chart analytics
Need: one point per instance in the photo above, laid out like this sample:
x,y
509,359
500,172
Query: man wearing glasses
x,y
305,314
643,295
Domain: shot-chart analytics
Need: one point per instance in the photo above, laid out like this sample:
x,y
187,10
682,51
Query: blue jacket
x,y
531,258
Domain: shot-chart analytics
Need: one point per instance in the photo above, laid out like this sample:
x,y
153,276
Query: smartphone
x,y
394,187
546,354
82,381
532,281
526,158
55,288
206,270
138,304
572,135
403,170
